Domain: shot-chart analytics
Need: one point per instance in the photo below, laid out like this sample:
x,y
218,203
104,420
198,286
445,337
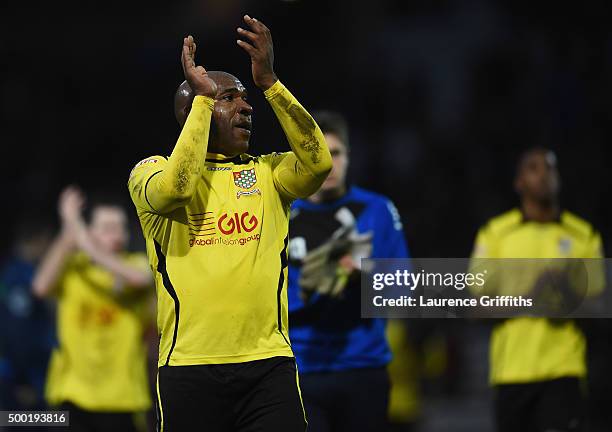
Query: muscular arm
x,y
174,185
301,171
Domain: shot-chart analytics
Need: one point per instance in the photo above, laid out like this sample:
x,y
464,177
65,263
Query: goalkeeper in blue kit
x,y
341,358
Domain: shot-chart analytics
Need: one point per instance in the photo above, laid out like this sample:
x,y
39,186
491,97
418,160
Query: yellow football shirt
x,y
404,373
530,349
216,233
100,362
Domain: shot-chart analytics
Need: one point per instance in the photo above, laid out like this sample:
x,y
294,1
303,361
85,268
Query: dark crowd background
x,y
441,95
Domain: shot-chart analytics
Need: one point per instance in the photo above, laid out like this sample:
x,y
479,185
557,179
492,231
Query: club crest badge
x,y
565,246
245,179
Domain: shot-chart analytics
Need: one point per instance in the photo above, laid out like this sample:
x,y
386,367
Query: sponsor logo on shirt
x,y
216,168
245,222
90,315
251,192
143,162
205,229
212,241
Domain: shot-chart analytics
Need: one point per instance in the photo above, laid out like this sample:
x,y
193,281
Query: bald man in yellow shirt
x,y
215,221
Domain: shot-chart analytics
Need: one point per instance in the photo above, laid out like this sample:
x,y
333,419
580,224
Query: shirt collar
x,y
221,158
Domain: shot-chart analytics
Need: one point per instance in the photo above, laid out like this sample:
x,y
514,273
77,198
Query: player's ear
x,y
213,126
181,115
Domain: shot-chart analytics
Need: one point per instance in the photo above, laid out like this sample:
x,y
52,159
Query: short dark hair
x,y
334,123
103,199
526,154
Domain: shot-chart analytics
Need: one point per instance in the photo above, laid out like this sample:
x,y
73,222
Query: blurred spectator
x,y
98,370
405,373
26,324
537,364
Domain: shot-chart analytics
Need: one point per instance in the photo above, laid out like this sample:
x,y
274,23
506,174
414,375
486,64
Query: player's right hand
x,y
196,76
71,204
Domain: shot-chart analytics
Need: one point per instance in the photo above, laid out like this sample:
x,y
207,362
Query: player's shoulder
x,y
374,201
378,206
77,262
577,225
369,197
365,198
150,160
268,158
504,222
148,163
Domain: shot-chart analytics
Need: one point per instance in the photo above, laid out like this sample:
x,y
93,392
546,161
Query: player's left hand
x,y
261,50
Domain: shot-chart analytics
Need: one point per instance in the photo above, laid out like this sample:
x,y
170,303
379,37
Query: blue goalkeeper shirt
x,y
328,334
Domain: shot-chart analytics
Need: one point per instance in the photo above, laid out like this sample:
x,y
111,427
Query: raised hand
x,y
260,49
71,204
196,76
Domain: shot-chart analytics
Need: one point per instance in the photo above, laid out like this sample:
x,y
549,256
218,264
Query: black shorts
x,y
554,405
93,421
351,401
254,396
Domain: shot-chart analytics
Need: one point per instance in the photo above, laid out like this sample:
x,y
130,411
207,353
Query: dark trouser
x,y
257,396
555,405
353,400
95,421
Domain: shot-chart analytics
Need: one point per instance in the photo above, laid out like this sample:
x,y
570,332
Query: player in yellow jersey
x,y
98,370
215,221
536,363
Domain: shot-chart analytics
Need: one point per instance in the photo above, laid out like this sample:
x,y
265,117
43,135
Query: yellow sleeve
x,y
480,262
300,172
140,261
142,172
595,267
483,245
594,248
158,185
74,263
145,308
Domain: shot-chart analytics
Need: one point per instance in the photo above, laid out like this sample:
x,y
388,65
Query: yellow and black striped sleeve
x,y
300,172
160,185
